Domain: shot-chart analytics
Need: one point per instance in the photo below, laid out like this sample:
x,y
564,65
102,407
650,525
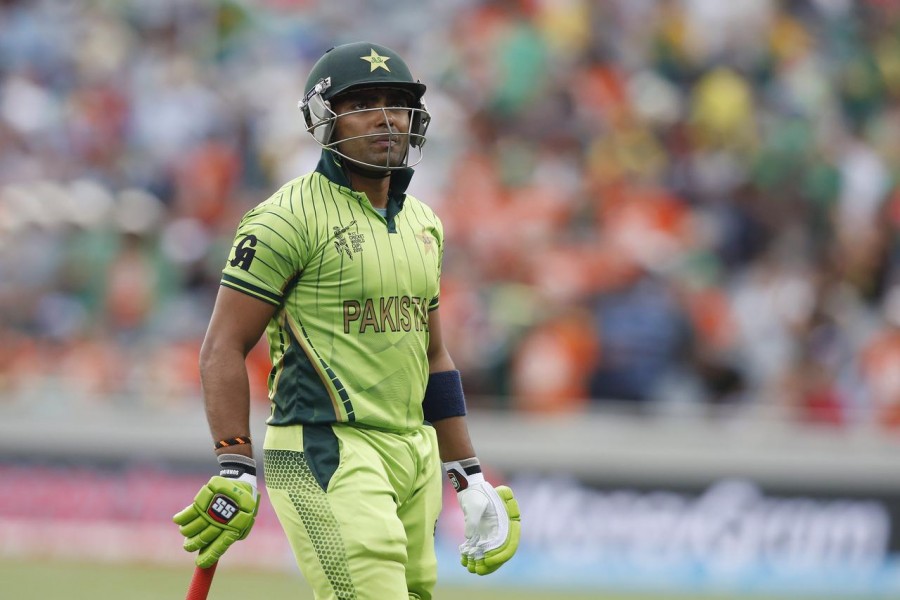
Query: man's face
x,y
367,132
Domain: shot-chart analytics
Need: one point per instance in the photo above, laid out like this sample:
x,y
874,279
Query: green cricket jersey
x,y
349,340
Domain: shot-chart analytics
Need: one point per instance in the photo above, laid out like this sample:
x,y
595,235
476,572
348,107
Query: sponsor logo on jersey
x,y
386,314
244,252
222,509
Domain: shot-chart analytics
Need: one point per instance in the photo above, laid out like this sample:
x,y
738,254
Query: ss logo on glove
x,y
222,509
459,482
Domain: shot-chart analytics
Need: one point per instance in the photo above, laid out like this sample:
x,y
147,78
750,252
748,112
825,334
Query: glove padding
x,y
222,513
492,520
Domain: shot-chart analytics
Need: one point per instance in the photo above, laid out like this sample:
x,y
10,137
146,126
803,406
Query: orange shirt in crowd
x,y
880,366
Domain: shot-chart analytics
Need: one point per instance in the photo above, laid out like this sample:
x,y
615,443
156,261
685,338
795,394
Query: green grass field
x,y
91,581
75,581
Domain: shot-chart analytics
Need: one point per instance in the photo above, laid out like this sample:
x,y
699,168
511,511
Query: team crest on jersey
x,y
348,242
428,241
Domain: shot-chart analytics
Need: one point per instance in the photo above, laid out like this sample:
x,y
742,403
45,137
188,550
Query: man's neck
x,y
379,187
375,188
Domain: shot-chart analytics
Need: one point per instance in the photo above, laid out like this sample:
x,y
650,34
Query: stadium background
x,y
671,281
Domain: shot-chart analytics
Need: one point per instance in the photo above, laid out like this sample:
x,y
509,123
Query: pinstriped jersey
x,y
353,288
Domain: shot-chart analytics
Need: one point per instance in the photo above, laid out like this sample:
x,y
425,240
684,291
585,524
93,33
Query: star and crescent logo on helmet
x,y
376,61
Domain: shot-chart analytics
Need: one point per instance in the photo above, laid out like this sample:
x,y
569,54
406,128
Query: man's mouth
x,y
384,140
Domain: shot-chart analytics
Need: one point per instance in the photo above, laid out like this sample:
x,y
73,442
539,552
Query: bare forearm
x,y
453,439
452,432
226,395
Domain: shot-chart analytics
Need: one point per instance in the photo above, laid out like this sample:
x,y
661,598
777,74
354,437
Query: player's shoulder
x,y
289,193
284,201
420,208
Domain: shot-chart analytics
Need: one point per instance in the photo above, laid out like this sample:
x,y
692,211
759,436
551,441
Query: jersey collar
x,y
330,166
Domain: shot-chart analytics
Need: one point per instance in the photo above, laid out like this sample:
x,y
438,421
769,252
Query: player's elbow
x,y
207,356
216,353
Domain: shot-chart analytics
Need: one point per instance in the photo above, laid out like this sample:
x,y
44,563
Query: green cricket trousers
x,y
359,507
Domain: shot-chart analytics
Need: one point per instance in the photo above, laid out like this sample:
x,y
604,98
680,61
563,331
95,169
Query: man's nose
x,y
389,116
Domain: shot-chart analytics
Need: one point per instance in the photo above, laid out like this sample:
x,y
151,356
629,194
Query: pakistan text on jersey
x,y
386,314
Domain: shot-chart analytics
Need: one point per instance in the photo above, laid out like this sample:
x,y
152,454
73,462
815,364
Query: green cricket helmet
x,y
361,65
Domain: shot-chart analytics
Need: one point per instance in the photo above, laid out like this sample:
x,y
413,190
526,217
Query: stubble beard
x,y
378,161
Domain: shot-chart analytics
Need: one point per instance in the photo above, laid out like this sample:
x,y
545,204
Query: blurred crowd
x,y
680,203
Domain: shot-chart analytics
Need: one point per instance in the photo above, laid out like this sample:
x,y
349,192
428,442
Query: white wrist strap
x,y
464,473
238,466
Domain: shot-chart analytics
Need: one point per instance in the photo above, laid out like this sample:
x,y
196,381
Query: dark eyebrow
x,y
401,95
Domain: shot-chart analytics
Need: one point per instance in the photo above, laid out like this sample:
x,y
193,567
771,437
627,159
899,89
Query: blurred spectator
x,y
880,364
553,363
645,339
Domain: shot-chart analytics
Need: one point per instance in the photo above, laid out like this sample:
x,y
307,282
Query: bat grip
x,y
200,582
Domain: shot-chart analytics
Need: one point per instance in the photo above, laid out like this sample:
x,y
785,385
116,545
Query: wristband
x,y
463,473
443,396
237,466
235,441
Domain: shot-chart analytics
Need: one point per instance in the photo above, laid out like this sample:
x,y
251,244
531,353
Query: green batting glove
x,y
223,510
491,515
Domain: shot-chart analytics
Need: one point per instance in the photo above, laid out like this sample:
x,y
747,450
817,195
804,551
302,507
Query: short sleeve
x,y
270,248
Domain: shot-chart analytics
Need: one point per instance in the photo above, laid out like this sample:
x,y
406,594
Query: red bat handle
x,y
200,583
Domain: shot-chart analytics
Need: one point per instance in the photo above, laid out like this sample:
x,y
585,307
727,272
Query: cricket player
x,y
341,270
